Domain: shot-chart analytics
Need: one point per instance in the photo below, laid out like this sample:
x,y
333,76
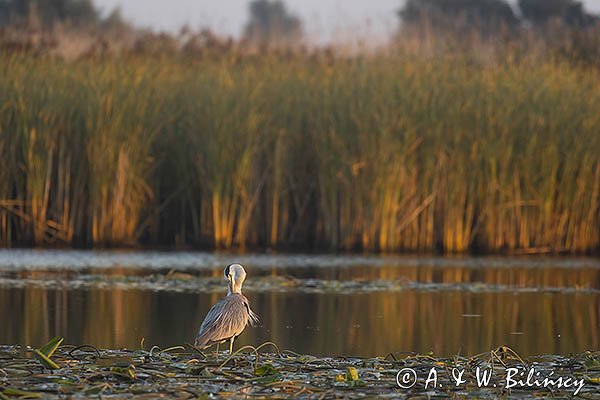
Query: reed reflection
x,y
369,324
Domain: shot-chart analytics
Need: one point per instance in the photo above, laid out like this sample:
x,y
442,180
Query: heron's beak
x,y
230,285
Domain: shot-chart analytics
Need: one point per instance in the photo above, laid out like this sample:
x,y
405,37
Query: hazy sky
x,y
323,19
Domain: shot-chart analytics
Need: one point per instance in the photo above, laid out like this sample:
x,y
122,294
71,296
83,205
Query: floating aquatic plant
x,y
45,353
183,372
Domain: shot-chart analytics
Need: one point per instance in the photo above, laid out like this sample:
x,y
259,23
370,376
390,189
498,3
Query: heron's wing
x,y
253,318
211,318
224,320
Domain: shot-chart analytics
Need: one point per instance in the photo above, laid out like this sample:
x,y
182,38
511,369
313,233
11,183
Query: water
x,y
317,304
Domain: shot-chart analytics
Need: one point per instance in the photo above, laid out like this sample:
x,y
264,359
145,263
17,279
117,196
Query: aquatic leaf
x,y
351,374
49,348
65,382
352,377
127,373
369,364
592,363
95,390
118,361
267,374
265,370
45,360
305,358
22,394
202,372
595,380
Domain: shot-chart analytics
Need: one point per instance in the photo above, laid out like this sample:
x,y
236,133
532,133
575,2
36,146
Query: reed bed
x,y
384,152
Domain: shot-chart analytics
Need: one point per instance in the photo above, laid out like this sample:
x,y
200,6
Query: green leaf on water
x,y
49,348
117,361
95,390
65,382
9,392
45,360
369,364
265,370
127,373
592,363
202,372
267,374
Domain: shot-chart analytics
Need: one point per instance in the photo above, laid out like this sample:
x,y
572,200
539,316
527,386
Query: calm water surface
x,y
317,304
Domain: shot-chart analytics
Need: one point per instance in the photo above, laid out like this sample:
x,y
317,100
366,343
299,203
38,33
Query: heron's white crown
x,y
236,275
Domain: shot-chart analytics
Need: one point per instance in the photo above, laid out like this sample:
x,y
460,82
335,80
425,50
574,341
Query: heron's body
x,y
228,318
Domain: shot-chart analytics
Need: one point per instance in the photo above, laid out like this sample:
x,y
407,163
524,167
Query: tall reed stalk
x,y
386,152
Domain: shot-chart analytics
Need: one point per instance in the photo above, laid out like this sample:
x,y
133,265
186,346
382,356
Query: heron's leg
x,y
217,348
231,345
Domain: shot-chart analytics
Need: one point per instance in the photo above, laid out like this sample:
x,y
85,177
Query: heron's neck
x,y
234,287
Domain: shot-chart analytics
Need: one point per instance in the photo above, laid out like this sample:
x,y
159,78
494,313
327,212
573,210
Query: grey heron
x,y
227,318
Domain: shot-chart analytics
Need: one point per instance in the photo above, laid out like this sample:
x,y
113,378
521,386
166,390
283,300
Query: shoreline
x,y
183,372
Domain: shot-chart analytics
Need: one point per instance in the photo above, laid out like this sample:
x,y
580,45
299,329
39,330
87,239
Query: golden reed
x,y
384,152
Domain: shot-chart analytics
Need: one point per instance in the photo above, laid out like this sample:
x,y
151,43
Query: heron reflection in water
x,y
228,318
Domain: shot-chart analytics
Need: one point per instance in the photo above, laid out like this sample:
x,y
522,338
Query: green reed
x,y
379,153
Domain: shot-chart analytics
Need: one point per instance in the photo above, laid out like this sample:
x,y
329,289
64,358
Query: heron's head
x,y
235,275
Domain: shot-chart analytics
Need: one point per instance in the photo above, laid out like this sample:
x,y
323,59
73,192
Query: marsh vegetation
x,y
181,372
393,151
